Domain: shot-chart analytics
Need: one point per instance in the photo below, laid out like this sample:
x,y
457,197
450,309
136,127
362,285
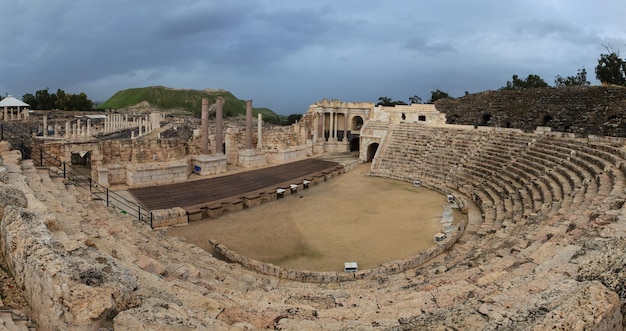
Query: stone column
x,y
205,126
5,117
88,127
45,125
126,121
331,129
248,124
68,131
219,109
345,126
79,128
140,126
316,121
56,130
259,143
324,125
336,125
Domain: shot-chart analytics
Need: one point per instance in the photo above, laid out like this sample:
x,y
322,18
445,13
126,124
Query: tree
x,y
579,80
62,99
30,99
79,102
611,69
532,81
45,100
385,101
437,94
415,99
293,118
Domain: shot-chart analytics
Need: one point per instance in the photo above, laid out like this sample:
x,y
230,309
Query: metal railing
x,y
110,198
56,167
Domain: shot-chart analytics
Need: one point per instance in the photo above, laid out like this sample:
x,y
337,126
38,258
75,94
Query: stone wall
x,y
156,173
167,217
142,151
596,110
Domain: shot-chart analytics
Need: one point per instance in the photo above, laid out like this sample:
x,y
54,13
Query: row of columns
x,y
146,124
12,115
112,123
219,111
321,125
219,106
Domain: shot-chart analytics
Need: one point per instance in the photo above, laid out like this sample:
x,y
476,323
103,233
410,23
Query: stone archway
x,y
371,151
355,144
356,123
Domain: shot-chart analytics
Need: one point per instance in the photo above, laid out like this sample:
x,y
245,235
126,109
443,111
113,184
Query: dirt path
x,y
353,217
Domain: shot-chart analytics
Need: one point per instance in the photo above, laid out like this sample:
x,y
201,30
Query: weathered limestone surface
x,y
168,217
64,290
156,173
5,146
11,196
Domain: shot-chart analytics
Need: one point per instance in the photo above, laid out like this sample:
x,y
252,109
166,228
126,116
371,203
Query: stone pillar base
x,y
336,147
318,147
205,165
251,158
103,176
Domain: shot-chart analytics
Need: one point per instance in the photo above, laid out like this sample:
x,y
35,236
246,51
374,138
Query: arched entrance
x,y
355,144
371,151
357,123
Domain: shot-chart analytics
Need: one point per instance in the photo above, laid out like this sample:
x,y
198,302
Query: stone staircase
x,y
509,175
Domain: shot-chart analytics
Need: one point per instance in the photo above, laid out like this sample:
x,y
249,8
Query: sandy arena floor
x,y
353,217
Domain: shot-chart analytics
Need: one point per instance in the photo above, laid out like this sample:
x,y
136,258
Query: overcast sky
x,y
286,55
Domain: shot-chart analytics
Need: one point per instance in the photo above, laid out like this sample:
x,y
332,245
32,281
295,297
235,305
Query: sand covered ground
x,y
353,217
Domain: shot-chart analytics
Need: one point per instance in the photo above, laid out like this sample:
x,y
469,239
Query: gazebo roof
x,y
10,101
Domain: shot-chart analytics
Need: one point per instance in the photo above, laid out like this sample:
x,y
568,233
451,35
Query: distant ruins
x,y
543,247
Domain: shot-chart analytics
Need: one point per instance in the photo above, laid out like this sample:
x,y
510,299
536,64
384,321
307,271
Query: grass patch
x,y
188,100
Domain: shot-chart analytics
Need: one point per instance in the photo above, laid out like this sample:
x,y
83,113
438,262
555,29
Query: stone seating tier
x,y
519,269
552,183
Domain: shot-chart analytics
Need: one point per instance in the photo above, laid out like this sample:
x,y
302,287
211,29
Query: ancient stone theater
x,y
542,247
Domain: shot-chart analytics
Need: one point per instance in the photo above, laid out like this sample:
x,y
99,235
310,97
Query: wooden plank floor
x,y
204,191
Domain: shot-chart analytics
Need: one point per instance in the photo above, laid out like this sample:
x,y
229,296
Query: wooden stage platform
x,y
203,193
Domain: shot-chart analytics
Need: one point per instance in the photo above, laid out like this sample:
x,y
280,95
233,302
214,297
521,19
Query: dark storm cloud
x,y
286,54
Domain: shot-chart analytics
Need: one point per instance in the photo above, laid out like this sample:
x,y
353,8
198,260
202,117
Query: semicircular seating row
x,y
508,174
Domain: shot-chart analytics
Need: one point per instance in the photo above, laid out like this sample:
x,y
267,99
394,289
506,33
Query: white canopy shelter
x,y
14,109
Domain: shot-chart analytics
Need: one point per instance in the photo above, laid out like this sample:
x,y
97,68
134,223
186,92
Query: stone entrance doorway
x,y
371,151
82,158
355,144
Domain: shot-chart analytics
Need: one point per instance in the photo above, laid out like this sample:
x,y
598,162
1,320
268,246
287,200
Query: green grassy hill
x,y
187,100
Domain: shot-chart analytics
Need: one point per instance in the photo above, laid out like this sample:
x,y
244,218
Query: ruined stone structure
x,y
543,247
596,110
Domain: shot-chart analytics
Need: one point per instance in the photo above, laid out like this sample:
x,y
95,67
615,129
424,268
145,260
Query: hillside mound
x,y
186,100
598,110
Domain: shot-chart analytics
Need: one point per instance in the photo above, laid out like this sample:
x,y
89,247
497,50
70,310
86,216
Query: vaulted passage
x,y
371,151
